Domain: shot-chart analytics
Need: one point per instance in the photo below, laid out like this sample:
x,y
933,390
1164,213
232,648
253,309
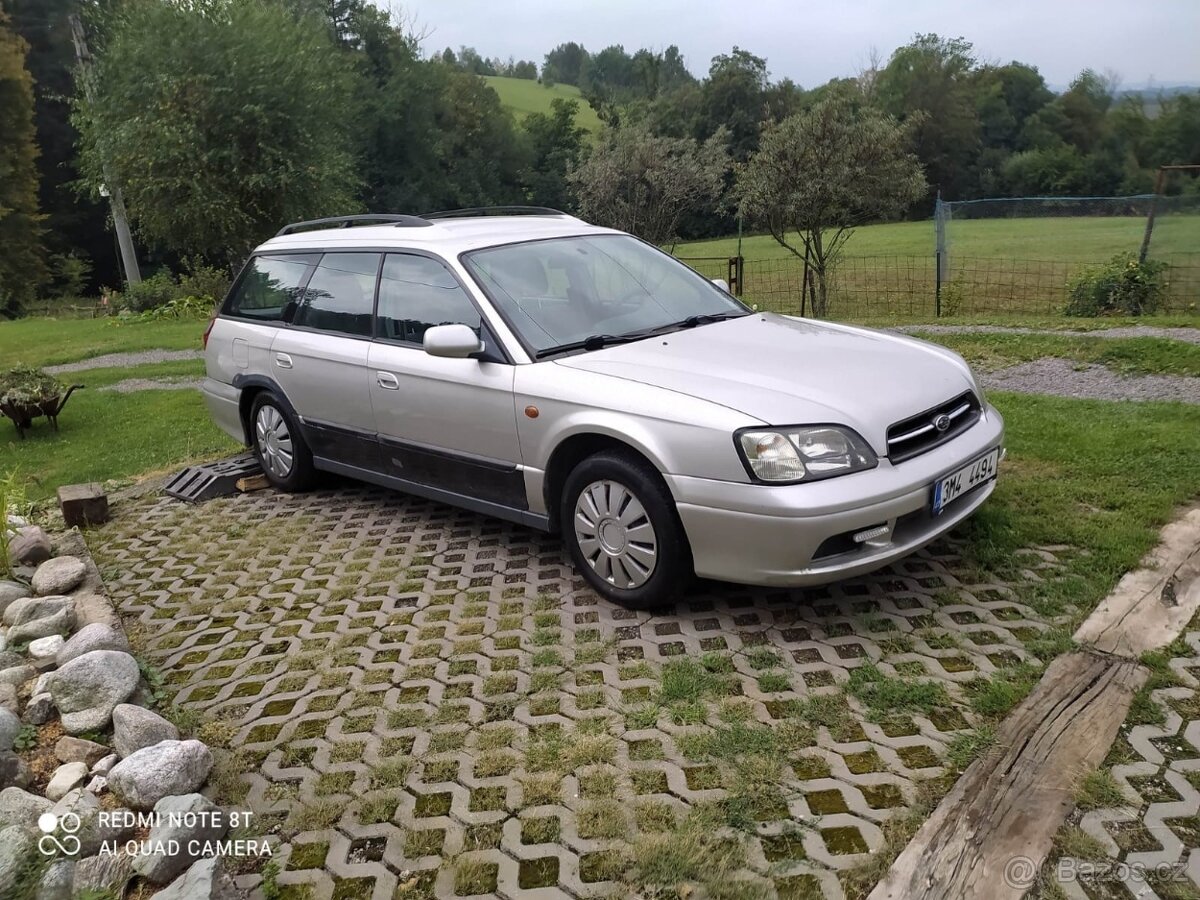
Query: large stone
x,y
135,728
16,848
30,546
17,675
94,831
168,768
60,575
73,749
10,658
57,883
37,617
96,636
103,766
11,591
21,807
205,880
39,709
65,779
89,687
14,773
102,875
10,727
200,820
8,697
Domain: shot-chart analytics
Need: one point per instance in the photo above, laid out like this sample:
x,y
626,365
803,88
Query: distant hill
x,y
523,97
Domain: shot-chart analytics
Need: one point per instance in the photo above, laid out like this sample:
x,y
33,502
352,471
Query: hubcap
x,y
274,442
615,534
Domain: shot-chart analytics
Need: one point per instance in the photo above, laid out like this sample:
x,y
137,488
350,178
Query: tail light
x,y
208,330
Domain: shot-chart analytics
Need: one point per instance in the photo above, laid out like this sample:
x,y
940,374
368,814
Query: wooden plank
x,y
1151,606
1007,806
252,483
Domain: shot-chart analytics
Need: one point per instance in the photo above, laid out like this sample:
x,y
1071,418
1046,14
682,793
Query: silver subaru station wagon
x,y
525,364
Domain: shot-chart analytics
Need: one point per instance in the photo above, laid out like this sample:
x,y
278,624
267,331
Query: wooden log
x,y
992,832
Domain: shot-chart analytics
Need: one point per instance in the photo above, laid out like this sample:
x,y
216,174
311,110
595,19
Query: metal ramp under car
x,y
214,479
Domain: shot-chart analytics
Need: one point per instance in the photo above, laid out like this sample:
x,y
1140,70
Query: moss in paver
x,y
440,770
537,873
655,815
493,764
600,819
844,840
862,763
918,756
308,856
823,803
316,816
488,799
602,865
597,784
430,805
782,847
353,888
541,789
882,796
810,767
486,836
649,781
377,809
333,783
447,741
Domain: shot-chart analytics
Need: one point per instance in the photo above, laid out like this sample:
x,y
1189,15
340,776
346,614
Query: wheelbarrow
x,y
26,394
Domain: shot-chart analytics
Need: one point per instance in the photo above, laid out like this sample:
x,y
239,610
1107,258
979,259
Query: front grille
x,y
919,434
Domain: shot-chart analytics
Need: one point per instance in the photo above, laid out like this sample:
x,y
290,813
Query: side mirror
x,y
722,284
453,341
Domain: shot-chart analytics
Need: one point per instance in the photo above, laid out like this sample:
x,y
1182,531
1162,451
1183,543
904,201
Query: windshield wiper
x,y
705,318
592,342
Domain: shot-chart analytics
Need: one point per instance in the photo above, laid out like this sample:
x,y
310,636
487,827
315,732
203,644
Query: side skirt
x,y
520,516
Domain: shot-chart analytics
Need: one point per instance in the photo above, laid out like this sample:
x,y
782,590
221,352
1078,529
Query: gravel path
x,y
1064,378
1187,335
113,360
129,385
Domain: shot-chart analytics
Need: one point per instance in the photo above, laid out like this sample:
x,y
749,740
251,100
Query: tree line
x,y
220,120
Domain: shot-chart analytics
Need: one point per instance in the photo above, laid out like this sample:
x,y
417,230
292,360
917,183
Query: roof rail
x,y
493,211
348,221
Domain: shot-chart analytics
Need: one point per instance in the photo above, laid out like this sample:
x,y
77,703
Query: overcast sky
x,y
1141,40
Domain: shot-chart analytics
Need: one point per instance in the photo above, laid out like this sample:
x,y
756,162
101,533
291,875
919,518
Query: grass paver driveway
x,y
420,701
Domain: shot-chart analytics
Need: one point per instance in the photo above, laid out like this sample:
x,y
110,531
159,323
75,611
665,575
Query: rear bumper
x,y
758,534
223,402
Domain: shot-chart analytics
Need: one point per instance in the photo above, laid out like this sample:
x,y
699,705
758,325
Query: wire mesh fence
x,y
988,257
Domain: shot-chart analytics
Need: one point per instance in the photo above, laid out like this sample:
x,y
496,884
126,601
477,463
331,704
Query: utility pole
x,y
128,255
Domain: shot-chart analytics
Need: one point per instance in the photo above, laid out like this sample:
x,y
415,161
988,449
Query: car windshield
x,y
584,292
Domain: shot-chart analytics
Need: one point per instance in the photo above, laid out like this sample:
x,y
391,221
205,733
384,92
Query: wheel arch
x,y
249,387
574,449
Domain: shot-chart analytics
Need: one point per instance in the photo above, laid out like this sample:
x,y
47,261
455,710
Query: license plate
x,y
954,485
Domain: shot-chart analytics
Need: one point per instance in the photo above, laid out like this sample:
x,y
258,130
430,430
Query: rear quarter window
x,y
268,285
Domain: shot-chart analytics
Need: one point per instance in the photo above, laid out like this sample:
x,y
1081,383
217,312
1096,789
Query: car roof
x,y
448,237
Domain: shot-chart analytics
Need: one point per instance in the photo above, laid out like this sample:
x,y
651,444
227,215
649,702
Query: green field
x,y
996,266
523,97
1065,239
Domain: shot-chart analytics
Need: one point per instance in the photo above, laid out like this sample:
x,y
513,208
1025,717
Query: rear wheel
x,y
622,531
279,446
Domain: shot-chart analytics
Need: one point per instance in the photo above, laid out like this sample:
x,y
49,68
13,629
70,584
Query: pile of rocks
x,y
64,655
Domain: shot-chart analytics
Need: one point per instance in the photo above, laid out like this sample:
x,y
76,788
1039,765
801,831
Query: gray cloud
x,y
811,43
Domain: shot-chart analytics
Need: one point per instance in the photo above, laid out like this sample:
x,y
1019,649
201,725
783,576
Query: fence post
x,y
1158,189
941,259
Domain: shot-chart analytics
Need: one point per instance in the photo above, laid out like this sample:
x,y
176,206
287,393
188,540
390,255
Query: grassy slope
x,y
524,97
1129,356
1061,239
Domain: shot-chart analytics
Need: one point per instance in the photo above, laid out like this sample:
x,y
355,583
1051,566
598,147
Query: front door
x,y
449,424
320,359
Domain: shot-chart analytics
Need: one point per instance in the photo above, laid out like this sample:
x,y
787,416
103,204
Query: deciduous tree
x,y
820,173
22,262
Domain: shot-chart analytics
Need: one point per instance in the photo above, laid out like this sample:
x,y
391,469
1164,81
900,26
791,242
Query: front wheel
x,y
279,446
622,531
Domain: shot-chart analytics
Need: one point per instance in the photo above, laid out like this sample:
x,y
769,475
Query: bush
x,y
179,308
157,290
1120,287
205,283
200,286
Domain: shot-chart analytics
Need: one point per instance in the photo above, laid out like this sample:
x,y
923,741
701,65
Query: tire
x,y
623,532
279,445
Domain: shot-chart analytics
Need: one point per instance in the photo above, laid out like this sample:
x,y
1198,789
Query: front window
x,y
561,294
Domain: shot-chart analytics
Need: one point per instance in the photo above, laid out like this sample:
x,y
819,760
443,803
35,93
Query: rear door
x,y
320,359
446,423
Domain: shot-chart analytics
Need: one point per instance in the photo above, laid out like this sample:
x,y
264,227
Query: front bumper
x,y
761,534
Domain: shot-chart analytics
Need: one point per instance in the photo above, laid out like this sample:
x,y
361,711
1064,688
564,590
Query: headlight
x,y
803,453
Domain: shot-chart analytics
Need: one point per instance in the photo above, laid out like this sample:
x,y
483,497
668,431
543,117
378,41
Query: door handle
x,y
283,360
387,381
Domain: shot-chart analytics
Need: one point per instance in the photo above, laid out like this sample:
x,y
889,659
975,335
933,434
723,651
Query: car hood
x,y
786,371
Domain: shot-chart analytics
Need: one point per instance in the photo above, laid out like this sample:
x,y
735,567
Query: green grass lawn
x,y
47,342
523,97
1060,239
1129,356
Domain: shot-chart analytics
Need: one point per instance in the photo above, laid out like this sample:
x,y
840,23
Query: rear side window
x,y
340,295
417,293
268,285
